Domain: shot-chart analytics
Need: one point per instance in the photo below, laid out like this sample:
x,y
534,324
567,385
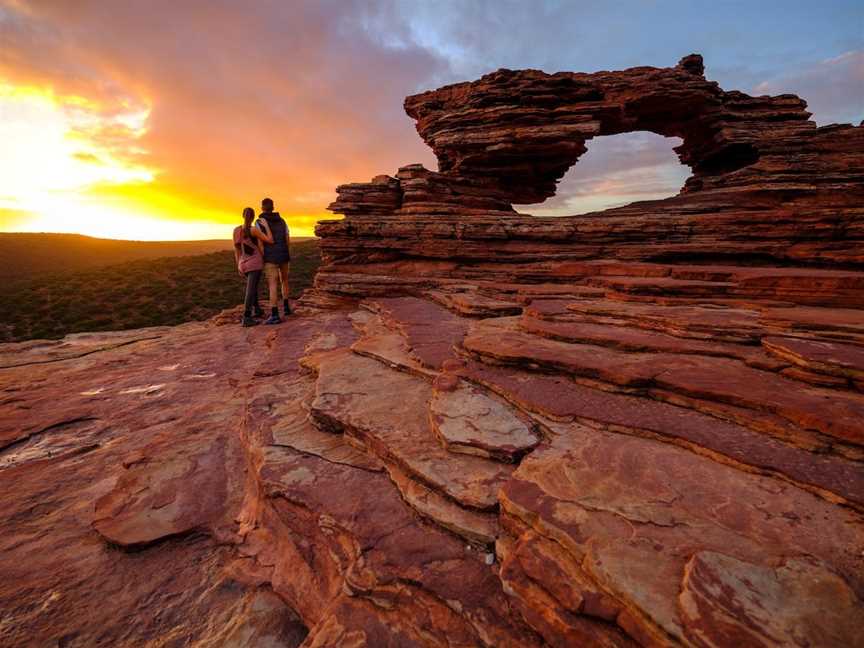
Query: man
x,y
277,259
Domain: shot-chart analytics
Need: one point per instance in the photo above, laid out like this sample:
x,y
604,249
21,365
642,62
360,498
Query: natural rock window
x,y
617,170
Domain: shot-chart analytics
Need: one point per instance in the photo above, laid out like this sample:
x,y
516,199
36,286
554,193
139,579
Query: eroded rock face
x,y
638,427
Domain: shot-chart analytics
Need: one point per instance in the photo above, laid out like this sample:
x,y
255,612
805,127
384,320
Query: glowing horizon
x,y
67,168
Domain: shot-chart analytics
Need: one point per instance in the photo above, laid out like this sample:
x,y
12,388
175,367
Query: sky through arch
x,y
616,170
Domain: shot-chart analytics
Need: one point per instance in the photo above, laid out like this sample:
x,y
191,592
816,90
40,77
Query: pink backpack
x,y
250,256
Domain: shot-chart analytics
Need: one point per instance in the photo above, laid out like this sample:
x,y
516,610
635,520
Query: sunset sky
x,y
163,119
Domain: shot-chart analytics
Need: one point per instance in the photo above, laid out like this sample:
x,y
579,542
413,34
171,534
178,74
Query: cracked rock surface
x,y
288,486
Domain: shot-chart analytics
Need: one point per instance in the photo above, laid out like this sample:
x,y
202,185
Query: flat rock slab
x,y
822,356
387,411
76,345
562,399
162,496
804,321
285,416
474,304
628,338
468,420
622,337
797,603
829,412
664,286
382,343
475,526
836,414
700,322
430,330
504,345
631,513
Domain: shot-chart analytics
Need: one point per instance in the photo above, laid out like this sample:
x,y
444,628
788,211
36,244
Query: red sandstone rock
x,y
630,514
771,606
386,411
165,496
467,420
526,128
161,403
431,331
379,197
825,357
838,415
560,399
690,363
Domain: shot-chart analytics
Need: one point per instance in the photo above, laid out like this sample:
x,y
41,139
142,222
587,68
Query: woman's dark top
x,y
277,252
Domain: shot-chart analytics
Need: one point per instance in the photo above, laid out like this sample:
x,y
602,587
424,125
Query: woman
x,y
249,256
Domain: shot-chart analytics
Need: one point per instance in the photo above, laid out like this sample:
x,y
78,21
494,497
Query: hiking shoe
x,y
273,319
248,321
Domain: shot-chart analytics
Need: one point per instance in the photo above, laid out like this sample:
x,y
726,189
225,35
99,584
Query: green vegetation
x,y
22,254
150,292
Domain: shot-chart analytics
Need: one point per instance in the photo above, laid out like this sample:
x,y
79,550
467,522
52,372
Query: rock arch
x,y
507,138
767,183
522,130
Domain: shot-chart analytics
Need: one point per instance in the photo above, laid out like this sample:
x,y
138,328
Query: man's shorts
x,y
271,270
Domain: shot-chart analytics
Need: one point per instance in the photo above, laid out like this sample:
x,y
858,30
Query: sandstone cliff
x,y
643,426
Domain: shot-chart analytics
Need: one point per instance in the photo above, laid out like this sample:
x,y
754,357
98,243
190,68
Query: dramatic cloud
x,y
833,88
163,119
286,100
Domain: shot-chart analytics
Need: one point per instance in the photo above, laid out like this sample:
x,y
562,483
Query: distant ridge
x,y
30,253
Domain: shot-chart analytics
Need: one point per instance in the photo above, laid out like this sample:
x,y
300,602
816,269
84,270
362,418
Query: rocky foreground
x,y
638,427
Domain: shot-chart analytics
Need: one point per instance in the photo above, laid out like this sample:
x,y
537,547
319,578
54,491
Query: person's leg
x,y
284,276
256,307
271,271
252,279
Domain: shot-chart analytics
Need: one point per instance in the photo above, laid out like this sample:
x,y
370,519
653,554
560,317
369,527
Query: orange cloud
x,y
206,114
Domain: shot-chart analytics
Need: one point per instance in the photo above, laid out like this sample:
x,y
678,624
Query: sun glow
x,y
68,164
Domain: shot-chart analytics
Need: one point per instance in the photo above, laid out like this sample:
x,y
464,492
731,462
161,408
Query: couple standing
x,y
263,247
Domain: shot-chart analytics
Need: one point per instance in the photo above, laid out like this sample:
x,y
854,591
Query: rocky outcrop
x,y
524,129
768,186
636,427
690,367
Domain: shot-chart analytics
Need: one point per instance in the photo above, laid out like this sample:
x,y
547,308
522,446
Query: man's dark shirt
x,y
277,252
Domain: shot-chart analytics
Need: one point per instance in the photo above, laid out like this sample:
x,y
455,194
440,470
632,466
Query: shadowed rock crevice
x,y
77,422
